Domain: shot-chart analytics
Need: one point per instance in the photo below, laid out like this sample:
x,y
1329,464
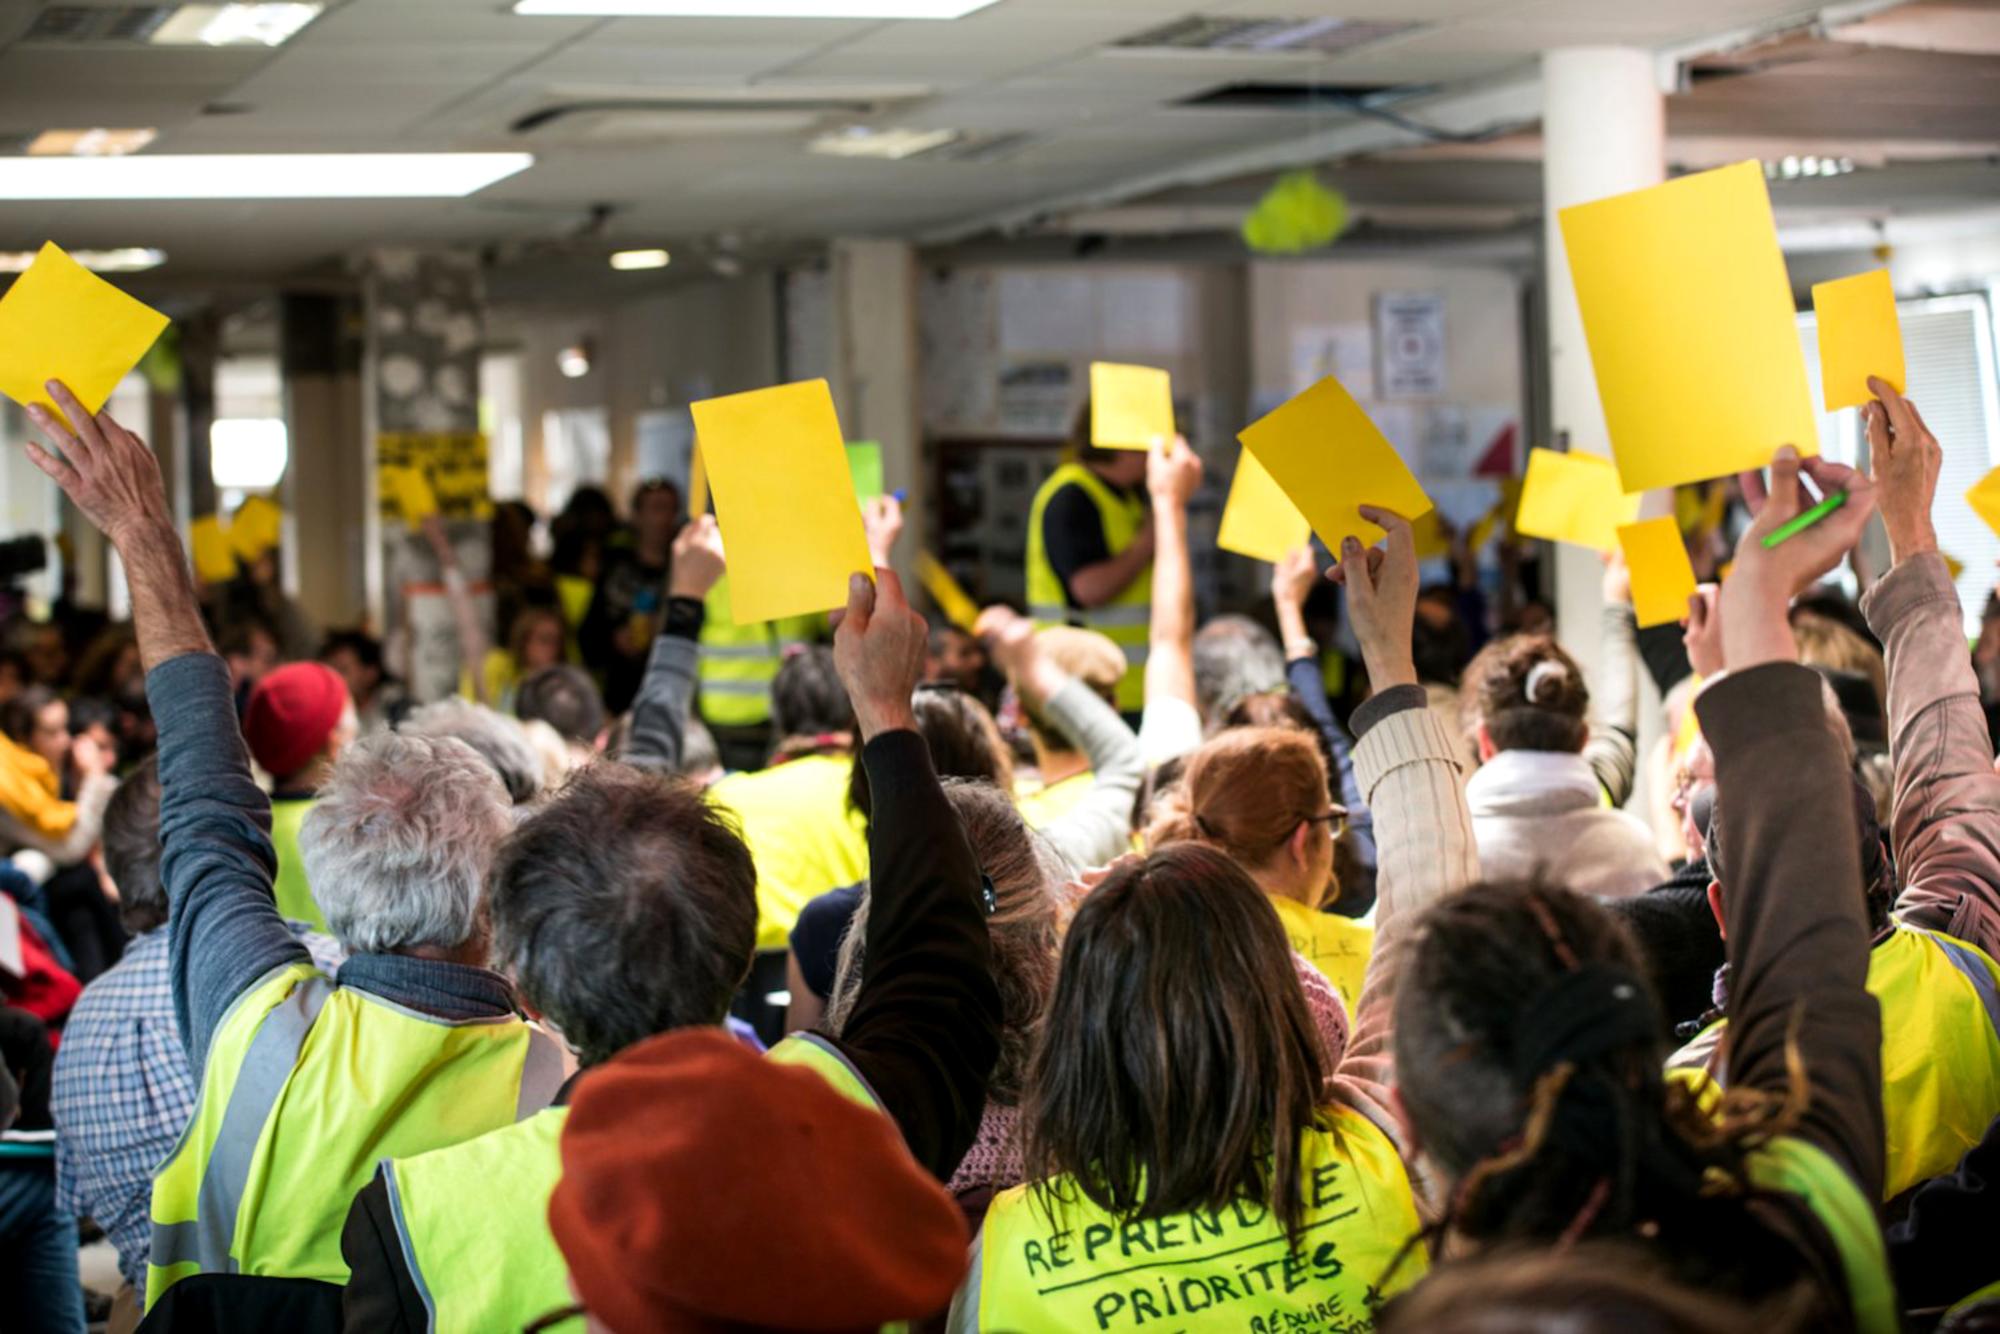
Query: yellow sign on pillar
x,y
450,464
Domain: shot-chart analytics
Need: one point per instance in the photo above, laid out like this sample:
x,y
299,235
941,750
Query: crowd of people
x,y
1086,968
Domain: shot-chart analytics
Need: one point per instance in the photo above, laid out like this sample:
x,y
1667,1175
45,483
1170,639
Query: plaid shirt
x,y
123,1092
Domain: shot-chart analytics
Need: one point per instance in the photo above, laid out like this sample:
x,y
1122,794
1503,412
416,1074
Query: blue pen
x,y
901,496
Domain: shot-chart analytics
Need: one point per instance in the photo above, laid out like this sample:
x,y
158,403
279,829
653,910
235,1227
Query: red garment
x,y
291,716
48,991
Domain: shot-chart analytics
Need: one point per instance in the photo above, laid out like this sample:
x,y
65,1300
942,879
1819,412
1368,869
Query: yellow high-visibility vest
x,y
802,834
1046,805
308,1086
1127,619
1940,1000
295,896
473,1219
739,662
1805,1170
1049,1262
1337,946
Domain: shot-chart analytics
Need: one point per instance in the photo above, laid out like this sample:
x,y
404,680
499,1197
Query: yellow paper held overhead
x,y
791,525
257,527
1953,564
1130,406
1574,498
1259,520
1859,336
1330,459
951,598
1662,575
60,321
214,559
1984,498
1688,313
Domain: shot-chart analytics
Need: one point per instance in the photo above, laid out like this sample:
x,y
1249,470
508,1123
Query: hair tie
x,y
1548,669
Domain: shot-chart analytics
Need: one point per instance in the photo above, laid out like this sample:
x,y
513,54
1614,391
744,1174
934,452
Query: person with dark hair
x,y
53,786
1528,1051
379,701
123,1089
1284,1195
624,616
955,657
566,699
627,907
537,640
1090,551
1540,807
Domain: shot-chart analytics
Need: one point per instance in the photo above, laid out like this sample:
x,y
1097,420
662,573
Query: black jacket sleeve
x,y
925,1029
381,1297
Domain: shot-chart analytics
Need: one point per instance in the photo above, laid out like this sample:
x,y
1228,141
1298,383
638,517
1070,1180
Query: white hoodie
x,y
1541,815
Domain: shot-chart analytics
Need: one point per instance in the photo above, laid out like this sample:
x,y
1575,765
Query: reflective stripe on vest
x,y
1940,1000
1063,1263
1797,1168
738,664
294,895
1126,620
472,1223
289,1124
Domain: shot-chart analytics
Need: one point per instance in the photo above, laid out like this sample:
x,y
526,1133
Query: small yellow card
x,y
1693,335
257,526
1259,520
1330,459
1984,498
60,321
791,525
1574,498
1859,336
1953,564
1662,575
1130,406
950,596
214,558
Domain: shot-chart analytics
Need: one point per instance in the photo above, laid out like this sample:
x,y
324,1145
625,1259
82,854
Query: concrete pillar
x,y
1603,133
423,317
877,372
326,485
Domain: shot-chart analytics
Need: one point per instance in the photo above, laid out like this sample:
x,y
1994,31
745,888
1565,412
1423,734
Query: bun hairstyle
x,y
1528,693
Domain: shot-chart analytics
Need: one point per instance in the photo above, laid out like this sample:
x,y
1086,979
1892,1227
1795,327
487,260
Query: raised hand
x,y
1702,631
1173,472
105,470
1905,459
1765,579
1010,639
882,517
878,650
1292,578
698,562
1381,587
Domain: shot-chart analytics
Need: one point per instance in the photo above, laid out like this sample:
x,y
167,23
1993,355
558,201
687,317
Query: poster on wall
x,y
451,463
1344,351
1036,397
1409,344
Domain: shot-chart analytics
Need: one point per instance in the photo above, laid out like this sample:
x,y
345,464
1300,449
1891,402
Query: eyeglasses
x,y
1335,820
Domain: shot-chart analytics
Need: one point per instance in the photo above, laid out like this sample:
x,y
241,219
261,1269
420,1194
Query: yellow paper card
x,y
1329,459
413,493
60,321
1130,406
1662,575
1574,498
951,597
214,559
1259,520
791,525
1953,564
1859,336
257,526
1984,498
697,484
1693,336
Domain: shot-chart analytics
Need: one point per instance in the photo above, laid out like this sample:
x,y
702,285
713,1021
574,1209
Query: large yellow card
x,y
1330,459
1662,575
1984,497
1574,498
1859,336
777,468
950,596
214,558
1692,332
1259,520
60,321
1130,406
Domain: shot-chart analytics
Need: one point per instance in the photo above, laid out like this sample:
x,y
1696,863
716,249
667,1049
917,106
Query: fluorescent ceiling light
x,y
628,261
90,143
131,259
258,176
861,141
754,9
234,25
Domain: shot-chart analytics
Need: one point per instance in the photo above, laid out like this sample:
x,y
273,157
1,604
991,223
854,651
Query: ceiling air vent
x,y
1316,36
1284,96
70,25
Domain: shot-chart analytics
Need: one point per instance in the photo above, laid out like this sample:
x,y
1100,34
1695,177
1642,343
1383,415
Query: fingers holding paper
x,y
1382,597
106,471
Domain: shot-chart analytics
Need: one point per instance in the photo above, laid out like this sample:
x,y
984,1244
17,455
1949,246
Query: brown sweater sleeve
x,y
1796,924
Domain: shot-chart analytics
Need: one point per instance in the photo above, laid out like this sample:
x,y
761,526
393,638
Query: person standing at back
x,y
617,632
1090,551
299,721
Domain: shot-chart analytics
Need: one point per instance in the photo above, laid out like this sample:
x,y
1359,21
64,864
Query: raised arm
x,y
216,862
925,1027
472,643
1408,773
1292,580
1794,914
1613,748
1173,475
660,710
1946,826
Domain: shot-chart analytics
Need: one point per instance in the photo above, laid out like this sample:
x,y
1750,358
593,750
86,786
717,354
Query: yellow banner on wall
x,y
452,463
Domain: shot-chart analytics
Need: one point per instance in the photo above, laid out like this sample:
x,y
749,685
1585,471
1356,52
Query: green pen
x,y
1794,527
